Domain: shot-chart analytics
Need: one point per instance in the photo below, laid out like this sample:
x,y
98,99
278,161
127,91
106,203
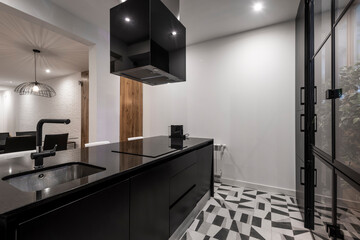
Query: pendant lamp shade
x,y
35,88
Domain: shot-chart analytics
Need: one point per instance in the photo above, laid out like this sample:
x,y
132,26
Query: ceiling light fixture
x,y
35,88
258,7
127,19
173,33
47,71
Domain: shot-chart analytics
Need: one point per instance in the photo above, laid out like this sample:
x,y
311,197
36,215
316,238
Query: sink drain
x,y
41,176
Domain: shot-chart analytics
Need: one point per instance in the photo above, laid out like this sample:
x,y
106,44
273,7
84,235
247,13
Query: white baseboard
x,y
257,186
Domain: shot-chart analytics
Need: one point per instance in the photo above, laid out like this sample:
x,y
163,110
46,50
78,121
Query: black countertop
x,y
116,165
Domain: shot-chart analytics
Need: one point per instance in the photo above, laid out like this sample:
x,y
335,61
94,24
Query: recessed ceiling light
x,y
258,7
127,19
173,33
47,71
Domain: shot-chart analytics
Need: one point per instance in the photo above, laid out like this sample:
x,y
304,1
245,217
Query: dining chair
x,y
26,133
61,140
3,137
20,143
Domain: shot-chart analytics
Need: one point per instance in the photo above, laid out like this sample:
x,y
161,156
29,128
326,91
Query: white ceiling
x,y
208,19
204,19
93,11
18,37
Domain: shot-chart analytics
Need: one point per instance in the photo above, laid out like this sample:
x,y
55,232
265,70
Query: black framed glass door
x,y
332,117
337,118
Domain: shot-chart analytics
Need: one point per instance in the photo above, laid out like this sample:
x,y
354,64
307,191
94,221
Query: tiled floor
x,y
237,213
348,219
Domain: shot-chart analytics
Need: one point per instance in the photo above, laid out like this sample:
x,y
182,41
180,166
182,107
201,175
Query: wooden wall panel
x,y
84,108
131,109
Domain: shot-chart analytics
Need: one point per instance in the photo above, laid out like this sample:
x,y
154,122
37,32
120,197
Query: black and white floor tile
x,y
237,213
348,219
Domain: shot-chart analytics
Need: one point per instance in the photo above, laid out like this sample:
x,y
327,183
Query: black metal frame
x,y
338,169
309,115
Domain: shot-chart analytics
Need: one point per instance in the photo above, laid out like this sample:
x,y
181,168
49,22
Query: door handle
x,y
315,178
302,100
302,170
302,89
302,127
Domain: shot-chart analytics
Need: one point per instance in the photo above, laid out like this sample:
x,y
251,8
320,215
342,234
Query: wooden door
x,y
131,109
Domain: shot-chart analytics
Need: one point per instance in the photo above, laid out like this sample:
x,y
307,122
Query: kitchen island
x,y
144,189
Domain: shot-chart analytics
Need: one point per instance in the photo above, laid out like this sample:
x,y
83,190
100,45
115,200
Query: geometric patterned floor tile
x,y
237,213
348,221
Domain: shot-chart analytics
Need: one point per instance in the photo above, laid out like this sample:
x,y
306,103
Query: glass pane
x,y
348,78
322,21
322,76
339,7
323,198
348,209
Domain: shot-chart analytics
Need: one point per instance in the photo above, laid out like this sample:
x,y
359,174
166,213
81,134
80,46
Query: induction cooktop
x,y
150,147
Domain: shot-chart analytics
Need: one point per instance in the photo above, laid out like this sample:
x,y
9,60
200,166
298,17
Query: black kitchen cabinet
x,y
102,215
191,178
149,211
147,202
205,177
183,182
182,208
183,176
162,198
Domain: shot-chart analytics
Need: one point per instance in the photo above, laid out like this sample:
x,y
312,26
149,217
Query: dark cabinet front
x,y
150,205
162,198
191,179
102,215
149,197
205,171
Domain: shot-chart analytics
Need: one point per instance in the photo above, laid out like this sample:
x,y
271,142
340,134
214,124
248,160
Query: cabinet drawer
x,y
182,209
179,164
182,182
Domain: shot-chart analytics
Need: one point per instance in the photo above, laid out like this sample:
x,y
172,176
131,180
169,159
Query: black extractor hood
x,y
147,43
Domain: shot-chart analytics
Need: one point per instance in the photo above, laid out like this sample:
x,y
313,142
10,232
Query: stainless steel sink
x,y
48,177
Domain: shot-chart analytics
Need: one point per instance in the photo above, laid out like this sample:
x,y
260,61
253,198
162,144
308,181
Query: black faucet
x,y
40,155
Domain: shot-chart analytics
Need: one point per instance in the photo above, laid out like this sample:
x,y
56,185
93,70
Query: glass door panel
x,y
322,76
323,198
339,7
348,209
322,21
347,109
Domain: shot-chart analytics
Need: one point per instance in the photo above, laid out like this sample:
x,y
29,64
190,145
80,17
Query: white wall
x,y
21,113
66,104
239,91
104,93
8,103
